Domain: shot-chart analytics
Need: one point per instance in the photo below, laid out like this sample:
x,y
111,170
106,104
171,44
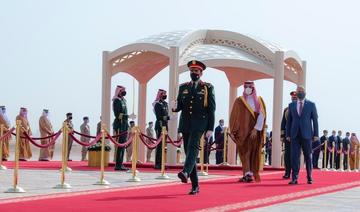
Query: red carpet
x,y
82,166
215,195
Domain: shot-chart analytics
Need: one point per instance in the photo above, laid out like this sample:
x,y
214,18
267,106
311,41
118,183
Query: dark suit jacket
x,y
219,137
307,123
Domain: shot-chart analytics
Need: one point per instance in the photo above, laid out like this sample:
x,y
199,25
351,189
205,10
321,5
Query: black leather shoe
x,y
121,168
286,177
4,159
310,181
194,191
293,182
183,177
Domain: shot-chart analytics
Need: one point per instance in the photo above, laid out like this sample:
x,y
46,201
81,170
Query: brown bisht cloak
x,y
24,145
242,121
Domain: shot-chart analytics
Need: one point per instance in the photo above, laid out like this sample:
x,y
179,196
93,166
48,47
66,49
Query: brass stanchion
x,y
348,158
333,157
163,175
16,188
202,151
135,178
67,168
2,167
62,184
102,181
325,157
226,138
341,158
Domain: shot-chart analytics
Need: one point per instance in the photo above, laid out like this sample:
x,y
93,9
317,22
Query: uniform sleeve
x,y
117,108
288,123
211,108
178,100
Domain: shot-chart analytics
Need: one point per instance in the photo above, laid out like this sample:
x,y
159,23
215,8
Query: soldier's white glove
x,y
179,135
208,134
132,116
173,104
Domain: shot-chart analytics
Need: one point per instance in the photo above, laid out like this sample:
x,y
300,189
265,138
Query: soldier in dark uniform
x,y
196,101
161,111
287,145
333,140
324,139
120,124
346,144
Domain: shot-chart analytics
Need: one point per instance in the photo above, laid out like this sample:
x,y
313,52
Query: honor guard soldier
x,y
161,110
287,146
196,101
120,124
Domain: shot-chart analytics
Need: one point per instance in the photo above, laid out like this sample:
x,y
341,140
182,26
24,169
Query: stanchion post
x,y
134,178
325,156
62,184
333,157
2,143
16,188
226,139
202,151
163,175
102,181
67,168
341,158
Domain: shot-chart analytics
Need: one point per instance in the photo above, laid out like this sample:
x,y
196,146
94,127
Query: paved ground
x,y
342,201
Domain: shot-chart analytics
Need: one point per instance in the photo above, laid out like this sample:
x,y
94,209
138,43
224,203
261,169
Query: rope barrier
x,y
129,141
154,145
7,134
86,144
174,143
52,142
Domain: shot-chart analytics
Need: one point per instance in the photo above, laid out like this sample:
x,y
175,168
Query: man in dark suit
x,y
301,129
196,101
219,141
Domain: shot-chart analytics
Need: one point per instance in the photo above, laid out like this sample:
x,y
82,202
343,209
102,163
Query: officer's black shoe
x,y
286,177
121,168
183,177
194,190
310,181
293,182
157,167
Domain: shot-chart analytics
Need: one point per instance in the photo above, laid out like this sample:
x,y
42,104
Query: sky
x,y
51,52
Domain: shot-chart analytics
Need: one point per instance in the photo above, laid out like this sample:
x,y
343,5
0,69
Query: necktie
x,y
193,88
301,108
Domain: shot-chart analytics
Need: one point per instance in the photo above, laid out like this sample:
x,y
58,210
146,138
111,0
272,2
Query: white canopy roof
x,y
224,50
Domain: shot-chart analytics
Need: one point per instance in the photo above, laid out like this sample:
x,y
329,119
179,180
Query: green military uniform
x,y
162,117
196,101
120,125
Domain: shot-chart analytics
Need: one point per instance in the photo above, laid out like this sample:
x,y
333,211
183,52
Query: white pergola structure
x,y
240,57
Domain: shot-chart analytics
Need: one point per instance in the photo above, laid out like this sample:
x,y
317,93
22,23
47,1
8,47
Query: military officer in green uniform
x,y
161,111
196,101
120,124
